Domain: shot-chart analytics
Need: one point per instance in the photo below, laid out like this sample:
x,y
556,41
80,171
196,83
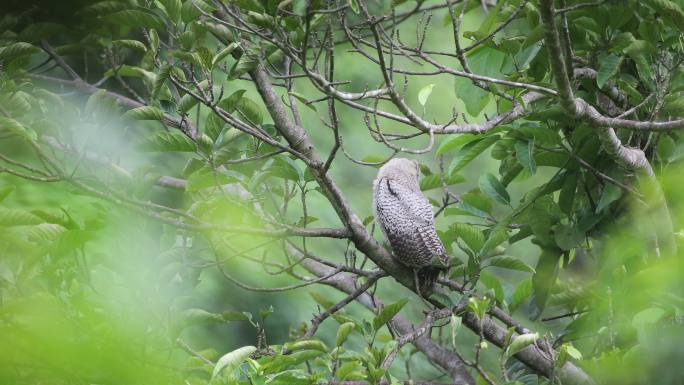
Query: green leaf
x,y
186,103
250,110
229,362
162,77
132,44
572,351
492,187
354,6
568,237
132,71
521,342
207,178
223,53
493,283
608,68
173,9
168,141
454,325
16,50
191,317
13,127
424,94
15,217
540,134
387,313
213,126
230,315
474,98
611,193
511,263
322,299
230,103
433,181
303,100
145,113
455,141
524,152
566,196
621,41
544,278
469,234
647,317
136,18
343,332
5,191
674,105
469,151
45,232
497,236
286,168
670,11
521,293
307,344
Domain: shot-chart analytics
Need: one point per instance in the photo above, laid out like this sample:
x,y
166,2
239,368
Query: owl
x,y
406,219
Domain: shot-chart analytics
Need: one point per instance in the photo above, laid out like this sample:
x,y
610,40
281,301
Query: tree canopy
x,y
185,191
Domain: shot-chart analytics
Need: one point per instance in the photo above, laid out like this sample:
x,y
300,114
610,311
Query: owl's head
x,y
401,169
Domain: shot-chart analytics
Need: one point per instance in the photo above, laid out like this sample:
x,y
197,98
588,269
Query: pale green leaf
x,y
492,187
424,94
229,362
524,152
145,113
521,342
387,313
511,263
607,69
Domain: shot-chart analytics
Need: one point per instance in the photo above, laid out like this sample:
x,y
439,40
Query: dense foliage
x,y
175,175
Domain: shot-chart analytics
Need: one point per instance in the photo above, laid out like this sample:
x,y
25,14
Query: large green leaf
x,y
506,262
173,9
469,234
229,362
168,141
607,69
12,126
470,151
492,187
145,113
524,152
387,313
521,342
16,50
474,98
544,278
455,141
136,18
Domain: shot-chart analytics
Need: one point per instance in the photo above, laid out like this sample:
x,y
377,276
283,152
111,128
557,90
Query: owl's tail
x,y
427,277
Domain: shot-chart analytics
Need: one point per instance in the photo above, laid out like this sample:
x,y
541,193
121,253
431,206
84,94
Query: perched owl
x,y
406,218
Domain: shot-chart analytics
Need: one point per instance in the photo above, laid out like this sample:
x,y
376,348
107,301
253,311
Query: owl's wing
x,y
419,210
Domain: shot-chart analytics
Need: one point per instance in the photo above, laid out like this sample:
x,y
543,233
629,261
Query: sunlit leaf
x,y
521,342
387,313
424,94
229,362
506,262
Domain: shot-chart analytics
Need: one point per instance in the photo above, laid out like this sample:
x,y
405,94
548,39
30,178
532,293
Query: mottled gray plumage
x,y
406,218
